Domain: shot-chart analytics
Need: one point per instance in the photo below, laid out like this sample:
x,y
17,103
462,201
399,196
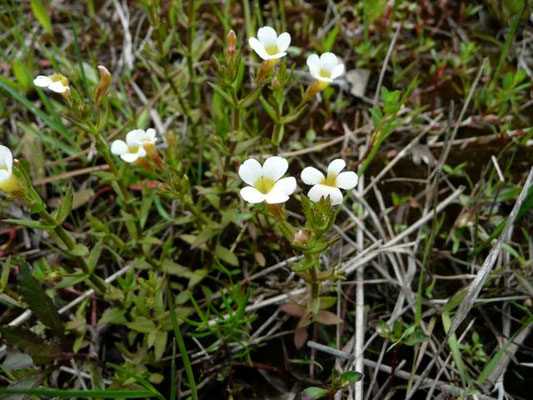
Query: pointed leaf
x,y
41,305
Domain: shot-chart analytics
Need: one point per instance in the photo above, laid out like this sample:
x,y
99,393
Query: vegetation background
x,y
435,244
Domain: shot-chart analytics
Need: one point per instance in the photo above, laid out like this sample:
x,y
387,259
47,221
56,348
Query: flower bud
x,y
232,42
301,237
275,83
105,80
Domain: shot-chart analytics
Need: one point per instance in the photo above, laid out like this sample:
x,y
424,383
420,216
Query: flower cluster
x,y
269,46
266,182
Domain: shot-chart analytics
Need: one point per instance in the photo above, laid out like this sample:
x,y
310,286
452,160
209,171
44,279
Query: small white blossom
x,y
325,68
55,82
330,185
265,183
133,148
268,45
6,165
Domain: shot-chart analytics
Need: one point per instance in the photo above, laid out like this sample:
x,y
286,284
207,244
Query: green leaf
x,y
79,250
29,223
95,253
269,109
41,305
315,392
113,316
141,324
222,93
64,207
42,13
22,74
226,256
348,378
41,352
160,344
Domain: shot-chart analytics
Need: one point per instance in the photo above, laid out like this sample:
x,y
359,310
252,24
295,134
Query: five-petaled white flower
x,y
268,45
325,68
265,183
133,148
55,82
328,186
6,166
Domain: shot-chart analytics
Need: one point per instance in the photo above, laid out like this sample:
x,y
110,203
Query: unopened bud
x,y
105,80
154,155
232,42
301,237
275,83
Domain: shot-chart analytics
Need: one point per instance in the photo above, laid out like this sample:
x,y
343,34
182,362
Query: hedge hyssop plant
x,y
267,186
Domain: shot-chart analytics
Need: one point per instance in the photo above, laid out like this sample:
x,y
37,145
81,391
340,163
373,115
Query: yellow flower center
x,y
330,180
324,74
133,149
59,78
264,185
271,49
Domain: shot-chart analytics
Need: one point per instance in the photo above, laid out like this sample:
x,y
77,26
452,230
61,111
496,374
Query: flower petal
x,y
318,192
58,87
275,167
267,36
258,48
283,41
151,134
130,157
276,197
312,176
276,56
119,147
252,195
286,185
42,81
347,180
336,166
135,137
328,61
313,62
4,175
250,171
337,71
6,159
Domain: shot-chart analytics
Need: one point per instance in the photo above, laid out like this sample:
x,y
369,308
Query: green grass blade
x,y
82,394
59,128
181,345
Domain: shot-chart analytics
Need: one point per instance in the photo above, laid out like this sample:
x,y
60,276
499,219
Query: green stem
x,y
124,194
97,284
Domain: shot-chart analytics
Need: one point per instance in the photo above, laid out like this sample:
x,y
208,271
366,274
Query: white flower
x,y
265,183
326,68
6,165
133,148
55,82
328,186
268,45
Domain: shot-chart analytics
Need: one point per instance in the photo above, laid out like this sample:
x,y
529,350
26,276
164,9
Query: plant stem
x,y
70,243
